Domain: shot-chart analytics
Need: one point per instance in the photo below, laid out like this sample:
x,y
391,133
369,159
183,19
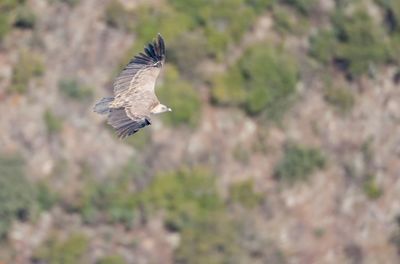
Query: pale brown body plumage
x,y
134,96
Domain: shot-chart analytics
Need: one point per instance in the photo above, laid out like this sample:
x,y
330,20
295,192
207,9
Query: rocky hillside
x,y
283,145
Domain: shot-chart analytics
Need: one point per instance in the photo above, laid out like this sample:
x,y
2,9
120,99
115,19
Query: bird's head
x,y
160,108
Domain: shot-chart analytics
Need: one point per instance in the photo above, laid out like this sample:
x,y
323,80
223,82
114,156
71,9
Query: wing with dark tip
x,y
124,125
142,71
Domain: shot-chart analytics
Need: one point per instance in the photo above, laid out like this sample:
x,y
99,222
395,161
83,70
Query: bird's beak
x,y
169,110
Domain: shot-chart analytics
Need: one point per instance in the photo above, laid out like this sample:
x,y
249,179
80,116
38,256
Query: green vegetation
x,y
302,6
322,46
356,42
25,18
28,66
52,122
361,41
264,82
117,16
218,20
187,196
181,97
298,163
187,53
70,2
228,89
75,90
114,259
16,193
140,141
69,251
113,200
371,188
243,193
212,240
341,98
7,9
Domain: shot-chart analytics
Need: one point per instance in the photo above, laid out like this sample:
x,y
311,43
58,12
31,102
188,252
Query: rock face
x,y
345,213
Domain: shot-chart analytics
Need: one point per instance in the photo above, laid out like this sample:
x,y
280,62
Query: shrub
x,y
114,259
53,123
4,25
25,18
260,5
223,21
213,240
69,251
322,46
187,52
112,200
371,188
181,97
45,197
187,196
303,6
140,141
17,194
340,97
270,77
392,14
117,16
28,66
75,90
298,163
263,81
243,193
229,88
361,42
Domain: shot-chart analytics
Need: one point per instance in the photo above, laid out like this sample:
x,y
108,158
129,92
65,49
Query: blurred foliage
x,y
181,97
117,16
186,195
69,2
356,43
263,82
361,42
17,194
187,53
322,46
243,193
212,240
45,196
68,251
340,97
113,259
392,14
304,7
140,141
229,88
7,10
218,20
113,200
28,66
298,163
53,123
371,188
271,76
25,18
73,89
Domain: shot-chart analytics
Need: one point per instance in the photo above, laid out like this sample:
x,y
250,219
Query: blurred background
x,y
283,145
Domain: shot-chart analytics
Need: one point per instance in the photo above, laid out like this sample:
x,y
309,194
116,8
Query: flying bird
x,y
134,97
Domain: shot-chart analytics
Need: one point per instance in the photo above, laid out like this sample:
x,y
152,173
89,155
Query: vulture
x,y
134,97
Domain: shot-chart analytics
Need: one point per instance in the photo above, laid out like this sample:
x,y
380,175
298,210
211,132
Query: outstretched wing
x,y
126,125
142,71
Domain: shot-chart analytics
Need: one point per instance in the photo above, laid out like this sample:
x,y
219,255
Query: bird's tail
x,y
103,106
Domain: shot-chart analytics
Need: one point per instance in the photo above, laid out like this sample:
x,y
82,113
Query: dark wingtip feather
x,y
153,52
